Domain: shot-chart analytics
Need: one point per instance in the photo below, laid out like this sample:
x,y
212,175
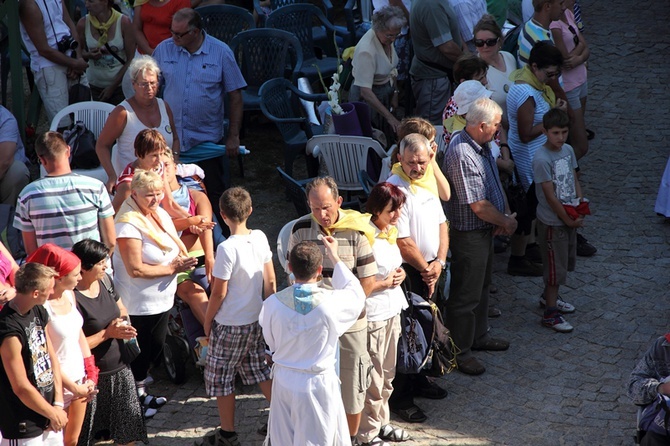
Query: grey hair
x,y
388,17
414,142
483,110
141,65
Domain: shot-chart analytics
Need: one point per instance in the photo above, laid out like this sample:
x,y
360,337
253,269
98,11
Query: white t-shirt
x,y
385,304
421,218
499,82
64,331
145,297
240,260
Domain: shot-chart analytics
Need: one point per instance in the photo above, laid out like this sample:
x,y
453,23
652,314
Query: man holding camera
x,y
55,54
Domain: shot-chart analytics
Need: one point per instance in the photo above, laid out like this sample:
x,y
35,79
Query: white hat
x,y
467,93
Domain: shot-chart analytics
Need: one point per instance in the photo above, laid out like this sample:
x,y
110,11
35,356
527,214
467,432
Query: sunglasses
x,y
180,35
552,74
488,42
575,37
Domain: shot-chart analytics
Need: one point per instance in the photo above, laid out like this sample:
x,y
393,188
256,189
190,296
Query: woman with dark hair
x,y
527,101
116,408
383,308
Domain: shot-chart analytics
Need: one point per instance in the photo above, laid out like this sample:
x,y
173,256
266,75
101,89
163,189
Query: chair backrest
x,y
282,244
92,113
439,139
345,157
225,21
367,183
263,54
299,19
296,193
279,105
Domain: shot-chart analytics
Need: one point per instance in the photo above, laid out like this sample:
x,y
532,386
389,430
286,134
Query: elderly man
x,y
437,45
199,72
423,240
477,211
353,233
51,38
14,174
63,207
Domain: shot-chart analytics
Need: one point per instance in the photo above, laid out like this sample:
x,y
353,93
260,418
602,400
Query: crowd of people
x,y
85,318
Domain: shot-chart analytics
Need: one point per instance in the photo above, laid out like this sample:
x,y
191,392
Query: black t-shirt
x,y
98,312
20,421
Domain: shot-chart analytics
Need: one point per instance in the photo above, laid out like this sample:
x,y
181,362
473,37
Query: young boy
x,y
242,275
301,325
557,186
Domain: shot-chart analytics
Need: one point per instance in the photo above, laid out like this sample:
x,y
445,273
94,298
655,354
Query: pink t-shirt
x,y
577,76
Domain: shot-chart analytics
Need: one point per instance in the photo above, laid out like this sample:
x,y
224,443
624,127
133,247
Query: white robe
x,y
306,407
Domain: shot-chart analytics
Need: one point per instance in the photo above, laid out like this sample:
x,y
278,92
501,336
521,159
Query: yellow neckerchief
x,y
390,235
526,75
350,219
139,3
428,180
102,28
454,123
131,213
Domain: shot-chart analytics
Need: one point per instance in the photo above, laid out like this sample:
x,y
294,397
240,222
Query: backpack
x,y
82,147
656,416
511,41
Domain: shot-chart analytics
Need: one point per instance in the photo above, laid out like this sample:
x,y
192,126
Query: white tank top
x,y
125,147
101,72
54,28
64,331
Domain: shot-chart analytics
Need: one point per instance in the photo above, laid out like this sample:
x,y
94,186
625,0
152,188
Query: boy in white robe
x,y
301,325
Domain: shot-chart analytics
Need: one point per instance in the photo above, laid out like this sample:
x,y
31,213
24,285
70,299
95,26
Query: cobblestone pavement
x,y
551,388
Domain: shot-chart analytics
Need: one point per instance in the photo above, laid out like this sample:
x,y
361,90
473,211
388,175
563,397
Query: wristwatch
x,y
443,263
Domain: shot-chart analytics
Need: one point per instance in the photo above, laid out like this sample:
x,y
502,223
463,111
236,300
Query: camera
x,y
67,43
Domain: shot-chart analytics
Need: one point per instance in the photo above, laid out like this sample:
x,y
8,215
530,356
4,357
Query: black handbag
x,y
522,202
79,93
82,147
413,347
130,349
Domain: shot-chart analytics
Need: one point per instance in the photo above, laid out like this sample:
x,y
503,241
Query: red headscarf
x,y
62,260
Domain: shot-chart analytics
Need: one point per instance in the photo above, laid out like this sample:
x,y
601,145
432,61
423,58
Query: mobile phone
x,y
201,261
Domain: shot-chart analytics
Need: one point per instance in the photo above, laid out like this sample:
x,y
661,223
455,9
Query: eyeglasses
x,y
552,74
153,84
488,42
392,36
180,35
575,37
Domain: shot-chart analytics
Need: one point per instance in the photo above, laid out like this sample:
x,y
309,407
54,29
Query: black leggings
x,y
151,333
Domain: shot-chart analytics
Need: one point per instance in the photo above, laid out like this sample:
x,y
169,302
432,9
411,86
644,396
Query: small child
x,y
243,274
559,195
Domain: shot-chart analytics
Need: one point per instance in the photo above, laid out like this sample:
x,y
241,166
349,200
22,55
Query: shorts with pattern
x,y
233,349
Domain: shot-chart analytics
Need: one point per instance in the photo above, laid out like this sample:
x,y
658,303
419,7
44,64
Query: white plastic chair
x,y
282,244
345,156
94,115
441,146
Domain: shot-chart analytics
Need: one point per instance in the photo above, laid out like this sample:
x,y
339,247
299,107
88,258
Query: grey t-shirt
x,y
559,168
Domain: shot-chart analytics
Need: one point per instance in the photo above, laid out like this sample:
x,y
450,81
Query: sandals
x,y
412,414
375,442
151,404
390,433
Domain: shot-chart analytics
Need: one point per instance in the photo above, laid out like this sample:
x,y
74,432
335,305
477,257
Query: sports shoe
x,y
523,267
562,305
556,321
584,248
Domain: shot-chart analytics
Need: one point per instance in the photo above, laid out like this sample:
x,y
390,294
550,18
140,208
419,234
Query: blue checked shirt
x,y
473,176
195,87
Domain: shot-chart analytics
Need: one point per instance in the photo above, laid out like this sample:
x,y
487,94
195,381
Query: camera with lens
x,y
67,43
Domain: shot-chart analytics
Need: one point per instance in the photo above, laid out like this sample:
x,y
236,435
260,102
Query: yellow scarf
x,y
428,180
526,75
104,27
391,235
454,123
131,213
354,220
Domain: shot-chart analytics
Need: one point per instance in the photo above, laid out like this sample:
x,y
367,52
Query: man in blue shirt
x,y
199,71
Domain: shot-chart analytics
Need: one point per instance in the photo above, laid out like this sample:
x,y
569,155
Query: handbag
x,y
82,147
413,348
522,202
442,354
130,349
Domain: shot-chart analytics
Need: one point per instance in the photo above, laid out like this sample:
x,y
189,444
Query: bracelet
x,y
58,404
504,144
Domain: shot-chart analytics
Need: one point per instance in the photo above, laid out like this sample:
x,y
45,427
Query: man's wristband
x,y
443,263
